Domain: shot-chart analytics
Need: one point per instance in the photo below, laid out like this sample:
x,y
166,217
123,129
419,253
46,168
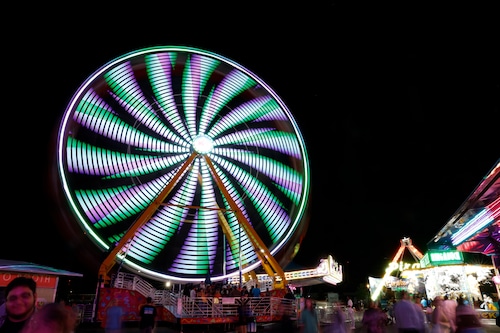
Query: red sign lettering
x,y
42,281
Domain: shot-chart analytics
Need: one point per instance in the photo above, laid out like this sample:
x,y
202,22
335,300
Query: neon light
x,y
480,221
132,124
406,243
446,256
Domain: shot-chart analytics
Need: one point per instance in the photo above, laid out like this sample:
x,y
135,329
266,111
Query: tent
x,y
46,278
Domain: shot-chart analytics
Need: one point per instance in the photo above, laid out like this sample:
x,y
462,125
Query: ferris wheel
x,y
183,164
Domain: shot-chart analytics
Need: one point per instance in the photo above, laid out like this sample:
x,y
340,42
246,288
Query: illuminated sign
x,y
396,284
401,266
439,258
42,280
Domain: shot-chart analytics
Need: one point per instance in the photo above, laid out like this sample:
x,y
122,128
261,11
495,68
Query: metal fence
x,y
206,307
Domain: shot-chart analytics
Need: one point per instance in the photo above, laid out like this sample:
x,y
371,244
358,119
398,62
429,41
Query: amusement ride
x,y
184,166
397,262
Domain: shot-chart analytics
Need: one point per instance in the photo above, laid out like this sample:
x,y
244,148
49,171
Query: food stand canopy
x,y
28,267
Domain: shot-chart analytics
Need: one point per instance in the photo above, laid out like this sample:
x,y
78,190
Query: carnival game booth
x,y
46,278
474,229
437,273
446,273
475,226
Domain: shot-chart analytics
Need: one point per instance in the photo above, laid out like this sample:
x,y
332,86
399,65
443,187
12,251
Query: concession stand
x,y
474,229
46,278
475,226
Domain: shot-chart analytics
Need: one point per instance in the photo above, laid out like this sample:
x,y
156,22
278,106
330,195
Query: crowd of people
x,y
221,290
412,314
409,314
23,316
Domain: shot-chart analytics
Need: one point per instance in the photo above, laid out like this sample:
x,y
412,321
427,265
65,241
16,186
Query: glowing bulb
x,y
203,144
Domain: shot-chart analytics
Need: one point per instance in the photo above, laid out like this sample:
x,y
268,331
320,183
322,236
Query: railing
x,y
133,282
228,306
206,307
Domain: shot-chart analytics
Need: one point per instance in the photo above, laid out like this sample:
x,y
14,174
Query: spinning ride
x,y
405,244
183,165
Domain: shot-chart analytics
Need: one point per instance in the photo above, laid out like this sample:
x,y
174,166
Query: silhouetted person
x,y
51,318
338,320
309,318
114,317
374,319
467,318
409,317
286,323
350,312
148,316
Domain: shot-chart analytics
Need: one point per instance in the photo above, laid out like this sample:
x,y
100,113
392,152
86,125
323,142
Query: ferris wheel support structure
x,y
120,247
268,262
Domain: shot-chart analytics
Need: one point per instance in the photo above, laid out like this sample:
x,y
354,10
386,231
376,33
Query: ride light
x,y
484,218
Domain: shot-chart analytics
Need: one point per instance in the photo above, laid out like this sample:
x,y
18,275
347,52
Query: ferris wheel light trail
x,y
203,144
133,124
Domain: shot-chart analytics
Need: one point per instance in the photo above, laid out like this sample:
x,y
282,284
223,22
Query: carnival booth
x,y
46,278
473,229
445,273
437,273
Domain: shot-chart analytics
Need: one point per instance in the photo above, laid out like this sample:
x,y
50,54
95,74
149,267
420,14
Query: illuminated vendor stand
x,y
437,273
475,226
475,229
445,273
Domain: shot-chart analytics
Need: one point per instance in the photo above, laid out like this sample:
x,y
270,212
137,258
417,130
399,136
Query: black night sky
x,y
399,116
